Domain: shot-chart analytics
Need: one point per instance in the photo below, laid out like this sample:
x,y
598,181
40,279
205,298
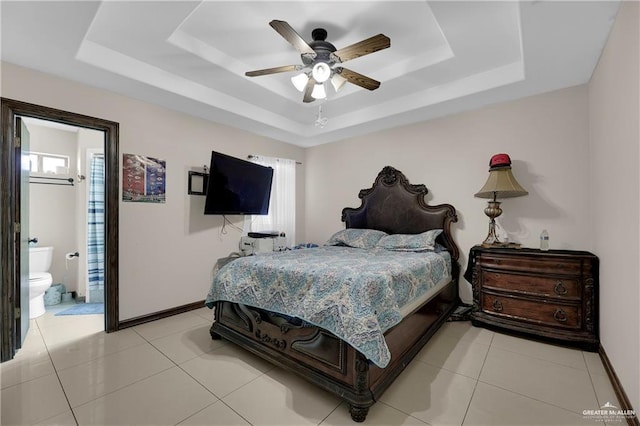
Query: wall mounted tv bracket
x,y
198,182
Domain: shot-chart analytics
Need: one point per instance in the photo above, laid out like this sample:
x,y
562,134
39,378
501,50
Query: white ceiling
x,y
191,56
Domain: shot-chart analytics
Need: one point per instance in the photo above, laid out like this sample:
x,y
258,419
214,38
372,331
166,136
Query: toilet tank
x,y
40,259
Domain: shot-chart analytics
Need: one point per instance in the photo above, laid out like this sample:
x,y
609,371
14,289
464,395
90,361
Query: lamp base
x,y
493,210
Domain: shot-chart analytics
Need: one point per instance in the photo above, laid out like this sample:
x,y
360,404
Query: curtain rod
x,y
69,181
258,156
52,183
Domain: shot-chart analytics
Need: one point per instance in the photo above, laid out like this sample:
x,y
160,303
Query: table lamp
x,y
500,184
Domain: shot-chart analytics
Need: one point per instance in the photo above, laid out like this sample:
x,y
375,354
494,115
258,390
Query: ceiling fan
x,y
322,62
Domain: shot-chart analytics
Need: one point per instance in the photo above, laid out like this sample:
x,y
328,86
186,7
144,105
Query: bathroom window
x,y
43,163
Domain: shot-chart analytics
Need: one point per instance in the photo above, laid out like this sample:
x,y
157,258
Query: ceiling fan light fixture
x,y
337,81
300,81
321,72
318,57
319,92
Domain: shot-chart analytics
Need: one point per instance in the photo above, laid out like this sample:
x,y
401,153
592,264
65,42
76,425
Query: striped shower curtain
x,y
95,234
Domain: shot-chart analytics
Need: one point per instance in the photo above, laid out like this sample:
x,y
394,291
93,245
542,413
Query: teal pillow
x,y
358,238
410,242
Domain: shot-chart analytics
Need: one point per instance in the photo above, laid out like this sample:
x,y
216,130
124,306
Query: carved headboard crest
x,y
390,176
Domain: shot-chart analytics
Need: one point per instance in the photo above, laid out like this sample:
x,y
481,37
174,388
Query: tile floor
x,y
170,372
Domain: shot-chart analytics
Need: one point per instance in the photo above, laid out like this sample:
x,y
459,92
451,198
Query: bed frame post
x,y
358,411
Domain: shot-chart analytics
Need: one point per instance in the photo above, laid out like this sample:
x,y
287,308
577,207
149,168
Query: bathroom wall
x,y
52,208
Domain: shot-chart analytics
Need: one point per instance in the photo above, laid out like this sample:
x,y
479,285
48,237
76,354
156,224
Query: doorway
x,y
14,242
65,173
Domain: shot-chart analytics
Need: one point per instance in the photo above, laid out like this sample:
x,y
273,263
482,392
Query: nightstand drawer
x,y
542,265
554,315
534,285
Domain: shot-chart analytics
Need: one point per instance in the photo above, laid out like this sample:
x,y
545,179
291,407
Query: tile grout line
x,y
219,399
330,413
475,387
114,390
403,412
198,381
530,397
517,393
527,396
542,359
240,415
593,386
75,419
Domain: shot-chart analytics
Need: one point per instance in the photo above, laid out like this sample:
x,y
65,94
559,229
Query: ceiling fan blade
x,y
307,91
359,79
364,47
289,34
275,70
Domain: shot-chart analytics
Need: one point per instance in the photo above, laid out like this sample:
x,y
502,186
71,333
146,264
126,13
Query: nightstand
x,y
550,295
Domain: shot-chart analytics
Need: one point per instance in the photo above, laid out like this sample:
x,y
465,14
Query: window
x,y
43,163
282,206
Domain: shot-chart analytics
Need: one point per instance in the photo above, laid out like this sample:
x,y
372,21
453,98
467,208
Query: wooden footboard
x,y
327,361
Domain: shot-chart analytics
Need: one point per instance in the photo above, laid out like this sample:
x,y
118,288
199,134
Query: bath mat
x,y
84,309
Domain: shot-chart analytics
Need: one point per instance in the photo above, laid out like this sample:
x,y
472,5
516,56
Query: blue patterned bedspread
x,y
355,293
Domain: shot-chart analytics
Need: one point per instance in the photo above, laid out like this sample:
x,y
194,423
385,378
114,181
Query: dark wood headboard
x,y
395,206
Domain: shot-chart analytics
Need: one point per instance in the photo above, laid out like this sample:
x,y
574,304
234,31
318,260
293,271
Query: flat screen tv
x,y
237,186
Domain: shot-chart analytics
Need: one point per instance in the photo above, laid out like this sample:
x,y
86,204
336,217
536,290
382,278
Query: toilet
x,y
39,279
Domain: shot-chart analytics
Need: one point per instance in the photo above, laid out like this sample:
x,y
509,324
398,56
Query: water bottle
x,y
544,240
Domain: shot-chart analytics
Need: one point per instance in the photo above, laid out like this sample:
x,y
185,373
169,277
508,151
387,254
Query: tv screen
x,y
237,186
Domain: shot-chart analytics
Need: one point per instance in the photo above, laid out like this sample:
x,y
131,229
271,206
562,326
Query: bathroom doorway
x,y
15,243
65,172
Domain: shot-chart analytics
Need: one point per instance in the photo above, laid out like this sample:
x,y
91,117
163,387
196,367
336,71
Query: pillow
x,y
410,242
358,238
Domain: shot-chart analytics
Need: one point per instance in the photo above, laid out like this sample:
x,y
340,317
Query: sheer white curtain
x,y
282,206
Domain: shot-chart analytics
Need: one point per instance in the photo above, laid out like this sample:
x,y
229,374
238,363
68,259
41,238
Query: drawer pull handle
x,y
560,288
559,315
497,305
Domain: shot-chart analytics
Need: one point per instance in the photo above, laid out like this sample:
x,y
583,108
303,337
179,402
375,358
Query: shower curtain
x,y
95,231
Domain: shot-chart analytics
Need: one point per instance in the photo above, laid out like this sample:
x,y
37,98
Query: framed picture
x,y
143,179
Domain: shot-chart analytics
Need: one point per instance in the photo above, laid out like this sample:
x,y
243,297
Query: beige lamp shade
x,y
501,184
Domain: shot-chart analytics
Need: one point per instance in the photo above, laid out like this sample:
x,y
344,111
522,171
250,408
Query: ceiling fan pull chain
x,y
320,120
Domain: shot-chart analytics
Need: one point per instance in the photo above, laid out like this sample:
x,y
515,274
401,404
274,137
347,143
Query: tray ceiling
x,y
445,57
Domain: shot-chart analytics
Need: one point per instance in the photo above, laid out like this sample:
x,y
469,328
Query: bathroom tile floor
x,y
170,372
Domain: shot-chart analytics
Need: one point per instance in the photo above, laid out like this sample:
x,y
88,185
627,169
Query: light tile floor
x,y
170,372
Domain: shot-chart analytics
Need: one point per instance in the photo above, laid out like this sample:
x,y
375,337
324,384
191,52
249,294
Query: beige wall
x,y
614,117
167,251
546,137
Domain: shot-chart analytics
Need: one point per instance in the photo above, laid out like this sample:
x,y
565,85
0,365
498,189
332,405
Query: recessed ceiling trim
x,y
203,50
490,79
118,63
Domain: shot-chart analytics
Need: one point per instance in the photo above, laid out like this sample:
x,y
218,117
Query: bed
x,y
322,348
